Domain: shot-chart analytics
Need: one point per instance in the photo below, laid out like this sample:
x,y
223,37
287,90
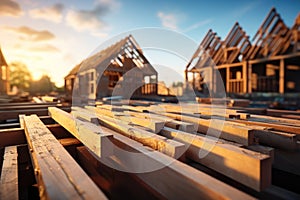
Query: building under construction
x,y
108,72
4,73
269,63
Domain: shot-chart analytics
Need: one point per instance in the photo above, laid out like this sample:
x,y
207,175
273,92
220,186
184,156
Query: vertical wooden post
x,y
244,75
193,80
249,78
213,83
281,76
227,79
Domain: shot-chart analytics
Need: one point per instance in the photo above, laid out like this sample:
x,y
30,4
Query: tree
x,y
43,86
20,76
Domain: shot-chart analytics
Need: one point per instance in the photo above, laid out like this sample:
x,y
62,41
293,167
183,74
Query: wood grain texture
x,y
247,167
9,176
57,173
89,134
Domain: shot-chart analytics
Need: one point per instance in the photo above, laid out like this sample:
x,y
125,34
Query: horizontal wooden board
x,y
57,173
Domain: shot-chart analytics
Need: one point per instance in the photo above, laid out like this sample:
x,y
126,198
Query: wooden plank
x,y
21,117
247,167
57,173
168,147
263,149
89,134
26,104
69,141
168,122
276,139
13,136
30,107
154,125
297,117
278,127
14,114
78,113
171,174
157,142
275,120
9,175
9,125
219,128
281,76
278,113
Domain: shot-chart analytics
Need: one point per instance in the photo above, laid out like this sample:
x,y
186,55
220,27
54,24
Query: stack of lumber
x,y
154,151
11,111
228,102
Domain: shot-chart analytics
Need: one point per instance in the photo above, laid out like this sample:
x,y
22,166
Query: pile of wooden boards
x,y
150,150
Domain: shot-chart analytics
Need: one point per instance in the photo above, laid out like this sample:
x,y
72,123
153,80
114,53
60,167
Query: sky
x,y
51,37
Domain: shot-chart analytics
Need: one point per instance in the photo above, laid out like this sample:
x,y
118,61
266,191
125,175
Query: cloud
x,y
44,48
10,8
52,13
168,20
197,25
238,13
91,20
30,34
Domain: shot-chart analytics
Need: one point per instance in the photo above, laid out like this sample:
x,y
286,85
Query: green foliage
x,y
42,86
20,76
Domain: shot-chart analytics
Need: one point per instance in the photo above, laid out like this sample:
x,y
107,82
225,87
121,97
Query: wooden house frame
x,y
270,63
118,68
4,75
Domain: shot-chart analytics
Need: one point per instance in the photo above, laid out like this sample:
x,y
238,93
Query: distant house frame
x,y
4,75
120,67
268,64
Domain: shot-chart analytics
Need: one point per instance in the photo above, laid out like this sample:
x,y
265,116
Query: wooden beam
x,y
26,104
29,107
14,114
276,139
9,175
249,78
89,134
157,142
153,124
21,120
278,127
245,76
168,147
297,117
275,120
57,173
247,167
69,142
228,89
281,76
79,114
13,136
168,122
263,149
279,113
219,128
171,174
